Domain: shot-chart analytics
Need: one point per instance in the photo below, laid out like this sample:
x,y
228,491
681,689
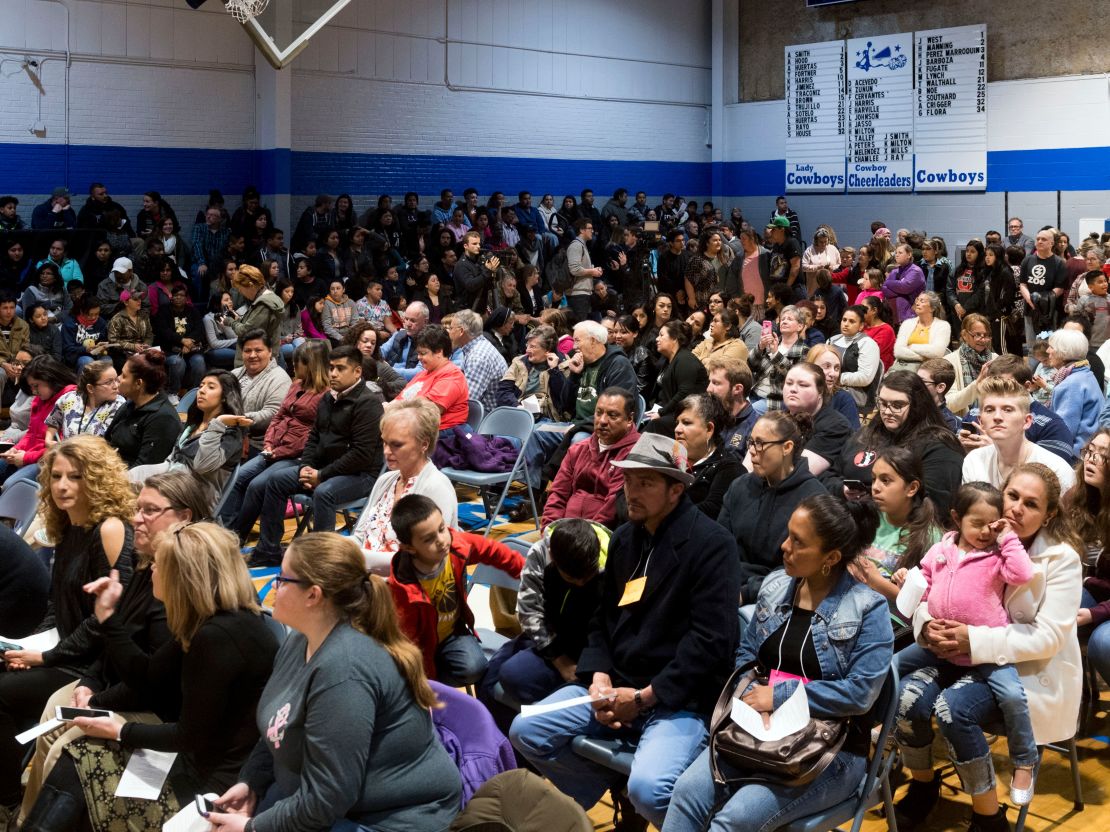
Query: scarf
x,y
971,362
1065,371
86,322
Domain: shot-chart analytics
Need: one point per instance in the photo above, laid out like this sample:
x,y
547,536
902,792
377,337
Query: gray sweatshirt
x,y
345,739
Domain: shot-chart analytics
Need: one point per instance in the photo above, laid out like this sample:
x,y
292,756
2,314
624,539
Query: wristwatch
x,y
639,699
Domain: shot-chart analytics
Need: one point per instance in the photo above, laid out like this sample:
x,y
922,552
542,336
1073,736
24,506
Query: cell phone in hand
x,y
856,485
768,329
204,804
7,645
969,427
70,714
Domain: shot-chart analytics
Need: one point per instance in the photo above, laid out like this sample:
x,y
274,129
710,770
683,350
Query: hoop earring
x,y
825,570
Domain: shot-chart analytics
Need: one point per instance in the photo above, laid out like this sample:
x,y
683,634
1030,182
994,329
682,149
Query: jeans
x,y
326,499
84,360
1098,643
668,741
699,803
244,501
460,661
1004,683
524,675
27,472
224,357
176,375
962,711
541,445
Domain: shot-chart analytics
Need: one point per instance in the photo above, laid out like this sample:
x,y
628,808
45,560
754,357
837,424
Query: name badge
x,y
633,591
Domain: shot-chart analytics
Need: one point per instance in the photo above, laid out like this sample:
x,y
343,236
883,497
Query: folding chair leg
x,y
888,805
1073,756
531,497
1019,825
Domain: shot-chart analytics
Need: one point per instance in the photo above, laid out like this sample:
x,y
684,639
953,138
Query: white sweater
x,y
940,332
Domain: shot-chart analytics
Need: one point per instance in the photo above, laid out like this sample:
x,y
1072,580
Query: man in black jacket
x,y
660,646
473,278
98,203
340,461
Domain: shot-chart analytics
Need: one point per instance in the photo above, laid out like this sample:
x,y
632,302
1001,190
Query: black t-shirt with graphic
x,y
781,255
1044,275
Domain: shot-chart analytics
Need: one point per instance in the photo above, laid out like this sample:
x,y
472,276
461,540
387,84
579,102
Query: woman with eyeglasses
x,y
86,504
970,362
758,505
216,664
347,736
905,416
1087,505
164,501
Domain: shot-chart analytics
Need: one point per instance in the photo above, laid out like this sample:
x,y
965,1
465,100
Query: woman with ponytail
x,y
347,736
816,625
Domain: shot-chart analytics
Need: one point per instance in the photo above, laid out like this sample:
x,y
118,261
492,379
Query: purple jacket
x,y
904,284
471,738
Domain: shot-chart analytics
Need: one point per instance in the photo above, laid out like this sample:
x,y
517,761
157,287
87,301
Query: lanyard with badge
x,y
777,674
634,588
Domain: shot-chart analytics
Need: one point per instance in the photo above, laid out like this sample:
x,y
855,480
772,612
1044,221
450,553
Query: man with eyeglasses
x,y
400,349
15,334
1015,235
1003,418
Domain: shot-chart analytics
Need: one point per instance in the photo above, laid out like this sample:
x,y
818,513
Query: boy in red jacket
x,y
428,581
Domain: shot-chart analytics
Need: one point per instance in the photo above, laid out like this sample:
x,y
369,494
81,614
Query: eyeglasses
x,y
892,407
112,382
150,512
281,579
979,336
1093,455
759,446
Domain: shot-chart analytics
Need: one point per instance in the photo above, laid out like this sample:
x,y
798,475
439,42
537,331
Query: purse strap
x,y
745,674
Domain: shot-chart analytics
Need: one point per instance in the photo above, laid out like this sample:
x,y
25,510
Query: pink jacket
x,y
971,590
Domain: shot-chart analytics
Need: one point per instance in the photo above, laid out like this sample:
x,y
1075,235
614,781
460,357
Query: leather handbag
x,y
794,760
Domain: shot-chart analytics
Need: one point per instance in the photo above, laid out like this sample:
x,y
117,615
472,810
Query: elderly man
x,y
597,365
263,384
659,648
481,364
400,349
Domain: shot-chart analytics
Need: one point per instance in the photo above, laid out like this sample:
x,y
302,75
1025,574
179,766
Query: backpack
x,y
557,272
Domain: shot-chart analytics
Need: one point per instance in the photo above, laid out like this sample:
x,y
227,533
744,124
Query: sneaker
x,y
259,559
918,802
989,823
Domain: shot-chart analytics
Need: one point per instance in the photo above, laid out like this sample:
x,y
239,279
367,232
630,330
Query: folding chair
x,y
225,492
19,503
186,401
475,414
875,787
302,511
517,424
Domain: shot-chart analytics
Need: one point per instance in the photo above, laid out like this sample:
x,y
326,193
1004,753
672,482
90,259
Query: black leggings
x,y
23,694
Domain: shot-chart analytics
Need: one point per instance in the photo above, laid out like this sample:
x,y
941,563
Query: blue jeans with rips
x,y
668,741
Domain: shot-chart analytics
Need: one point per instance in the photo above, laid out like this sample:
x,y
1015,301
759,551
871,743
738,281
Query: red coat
x,y
419,619
588,483
289,429
33,442
883,335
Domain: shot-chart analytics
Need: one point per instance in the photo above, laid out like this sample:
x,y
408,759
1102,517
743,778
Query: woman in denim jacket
x,y
813,622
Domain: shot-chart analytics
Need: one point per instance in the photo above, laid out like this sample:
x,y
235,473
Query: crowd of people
x,y
748,449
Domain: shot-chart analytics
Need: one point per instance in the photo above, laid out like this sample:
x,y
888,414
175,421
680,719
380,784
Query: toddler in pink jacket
x,y
967,573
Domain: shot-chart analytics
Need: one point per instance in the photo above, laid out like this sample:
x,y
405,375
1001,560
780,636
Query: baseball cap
x,y
122,265
654,452
60,191
779,222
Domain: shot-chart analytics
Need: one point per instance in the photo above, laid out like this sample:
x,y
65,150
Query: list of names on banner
x,y
816,117
880,113
951,120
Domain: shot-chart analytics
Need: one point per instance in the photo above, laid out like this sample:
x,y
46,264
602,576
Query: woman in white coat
x,y
410,428
1041,642
924,336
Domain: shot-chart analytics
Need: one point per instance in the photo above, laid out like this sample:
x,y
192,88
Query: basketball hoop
x,y
244,10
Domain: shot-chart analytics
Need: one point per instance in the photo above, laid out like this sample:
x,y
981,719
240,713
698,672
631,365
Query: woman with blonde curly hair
x,y
217,663
348,741
86,505
265,310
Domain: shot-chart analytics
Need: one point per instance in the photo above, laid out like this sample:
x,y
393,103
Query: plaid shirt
x,y
483,367
208,247
773,366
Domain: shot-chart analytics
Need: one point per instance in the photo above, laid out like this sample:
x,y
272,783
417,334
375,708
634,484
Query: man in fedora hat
x,y
660,646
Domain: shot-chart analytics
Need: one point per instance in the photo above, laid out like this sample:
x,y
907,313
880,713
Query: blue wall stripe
x,y
37,168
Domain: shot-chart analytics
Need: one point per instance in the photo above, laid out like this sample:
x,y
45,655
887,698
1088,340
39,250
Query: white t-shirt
x,y
981,465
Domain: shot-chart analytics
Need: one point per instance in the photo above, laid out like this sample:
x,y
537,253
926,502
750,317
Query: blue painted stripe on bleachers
x,y
37,168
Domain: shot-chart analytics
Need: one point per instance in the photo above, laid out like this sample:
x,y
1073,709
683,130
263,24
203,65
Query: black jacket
x,y
472,283
683,376
615,371
147,434
681,636
24,586
91,214
346,438
567,612
712,478
166,334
